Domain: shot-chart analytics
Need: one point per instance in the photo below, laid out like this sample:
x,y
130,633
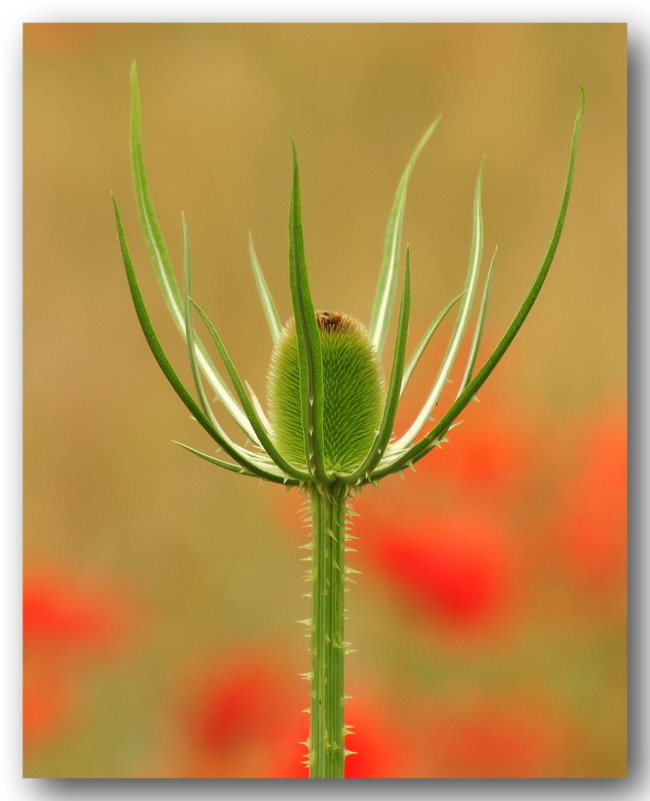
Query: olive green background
x,y
106,492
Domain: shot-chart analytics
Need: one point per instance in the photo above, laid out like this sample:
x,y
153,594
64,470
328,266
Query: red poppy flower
x,y
69,621
591,524
244,720
488,453
48,703
65,613
461,572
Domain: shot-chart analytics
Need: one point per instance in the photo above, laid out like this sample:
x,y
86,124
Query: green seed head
x,y
352,389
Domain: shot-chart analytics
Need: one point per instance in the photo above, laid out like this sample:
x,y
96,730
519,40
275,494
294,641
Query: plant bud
x,y
352,390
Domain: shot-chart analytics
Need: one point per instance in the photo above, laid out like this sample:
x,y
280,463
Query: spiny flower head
x,y
352,393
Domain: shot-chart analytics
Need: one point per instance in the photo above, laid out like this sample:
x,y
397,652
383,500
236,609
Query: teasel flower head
x,y
330,417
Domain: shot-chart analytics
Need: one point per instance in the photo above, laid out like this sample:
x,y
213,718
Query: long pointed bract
x,y
394,385
189,327
462,320
309,348
162,264
258,407
478,331
382,309
268,304
428,334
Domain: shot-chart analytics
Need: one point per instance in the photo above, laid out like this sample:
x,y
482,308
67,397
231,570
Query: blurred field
x,y
161,593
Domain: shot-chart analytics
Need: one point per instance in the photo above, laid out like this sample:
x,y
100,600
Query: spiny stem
x,y
328,646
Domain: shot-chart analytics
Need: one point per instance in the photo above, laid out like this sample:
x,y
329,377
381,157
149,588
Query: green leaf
x,y
428,334
250,410
427,442
268,305
161,262
478,331
394,385
240,455
382,309
309,347
476,251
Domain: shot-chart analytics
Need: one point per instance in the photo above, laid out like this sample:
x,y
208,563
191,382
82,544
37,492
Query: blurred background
x,y
160,592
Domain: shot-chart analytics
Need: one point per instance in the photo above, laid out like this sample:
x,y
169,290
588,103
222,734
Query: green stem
x,y
327,733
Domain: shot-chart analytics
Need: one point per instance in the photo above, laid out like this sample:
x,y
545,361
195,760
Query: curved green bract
x,y
387,284
422,345
268,304
456,339
383,435
161,261
352,394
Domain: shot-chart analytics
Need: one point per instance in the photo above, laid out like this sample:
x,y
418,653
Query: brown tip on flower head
x,y
333,322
